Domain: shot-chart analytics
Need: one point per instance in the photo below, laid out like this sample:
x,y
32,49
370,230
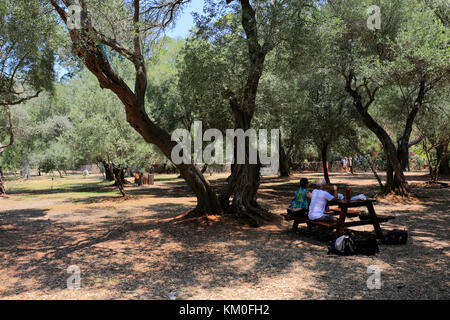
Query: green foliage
x,y
28,41
56,158
100,131
163,97
301,91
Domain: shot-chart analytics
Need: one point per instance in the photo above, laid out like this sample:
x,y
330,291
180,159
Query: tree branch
x,y
12,103
11,133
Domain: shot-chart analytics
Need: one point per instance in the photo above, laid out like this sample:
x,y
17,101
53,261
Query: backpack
x,y
367,247
396,237
289,209
343,246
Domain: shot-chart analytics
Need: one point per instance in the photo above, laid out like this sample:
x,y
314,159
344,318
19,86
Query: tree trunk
x,y
403,150
403,155
435,172
324,151
243,183
86,45
403,142
116,177
207,201
25,169
285,170
119,174
109,176
375,173
2,186
442,156
397,183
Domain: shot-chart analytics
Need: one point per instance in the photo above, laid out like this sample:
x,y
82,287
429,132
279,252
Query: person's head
x,y
304,182
322,184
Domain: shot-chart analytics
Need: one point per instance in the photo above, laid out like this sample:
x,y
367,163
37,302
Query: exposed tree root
x,y
443,184
251,214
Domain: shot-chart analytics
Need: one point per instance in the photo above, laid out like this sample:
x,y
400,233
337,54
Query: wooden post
x,y
373,217
151,179
342,216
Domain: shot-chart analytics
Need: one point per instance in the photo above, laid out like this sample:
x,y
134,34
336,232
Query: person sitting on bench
x,y
319,199
302,198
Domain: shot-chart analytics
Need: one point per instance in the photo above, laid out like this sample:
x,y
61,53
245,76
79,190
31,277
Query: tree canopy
x,y
334,86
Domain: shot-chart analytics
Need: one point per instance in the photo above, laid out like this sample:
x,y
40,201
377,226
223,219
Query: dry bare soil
x,y
141,248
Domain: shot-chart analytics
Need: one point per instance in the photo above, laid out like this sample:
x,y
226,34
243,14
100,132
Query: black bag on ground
x,y
343,246
367,247
396,236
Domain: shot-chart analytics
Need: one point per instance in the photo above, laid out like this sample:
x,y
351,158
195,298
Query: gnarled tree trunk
x,y
87,43
403,150
323,152
243,183
403,155
108,172
2,186
285,170
396,181
442,157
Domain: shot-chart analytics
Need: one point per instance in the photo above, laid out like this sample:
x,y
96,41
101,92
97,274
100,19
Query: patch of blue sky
x,y
185,21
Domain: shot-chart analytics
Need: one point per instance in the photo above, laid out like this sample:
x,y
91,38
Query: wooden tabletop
x,y
352,203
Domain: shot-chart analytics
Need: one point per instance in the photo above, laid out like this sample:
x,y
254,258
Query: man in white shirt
x,y
319,199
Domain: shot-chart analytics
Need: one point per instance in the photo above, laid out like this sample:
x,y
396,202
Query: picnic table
x,y
343,212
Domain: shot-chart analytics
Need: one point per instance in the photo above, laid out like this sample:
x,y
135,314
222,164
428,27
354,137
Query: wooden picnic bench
x,y
343,212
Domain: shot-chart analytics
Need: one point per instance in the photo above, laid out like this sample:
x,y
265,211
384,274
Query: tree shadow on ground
x,y
173,190
152,255
95,188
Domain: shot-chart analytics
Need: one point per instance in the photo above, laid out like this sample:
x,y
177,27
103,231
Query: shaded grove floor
x,y
139,248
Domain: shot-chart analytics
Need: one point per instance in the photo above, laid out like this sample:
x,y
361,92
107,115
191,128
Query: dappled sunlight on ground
x,y
141,247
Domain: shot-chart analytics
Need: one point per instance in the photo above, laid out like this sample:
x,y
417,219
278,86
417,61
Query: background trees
x,y
434,127
28,40
225,59
397,60
27,50
127,29
310,68
101,134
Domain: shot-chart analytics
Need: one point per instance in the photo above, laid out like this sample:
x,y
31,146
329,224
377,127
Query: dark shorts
x,y
326,217
298,212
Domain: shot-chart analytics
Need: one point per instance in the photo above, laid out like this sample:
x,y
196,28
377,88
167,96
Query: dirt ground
x,y
140,248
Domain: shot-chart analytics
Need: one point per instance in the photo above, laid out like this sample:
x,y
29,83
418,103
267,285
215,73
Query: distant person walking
x,y
344,164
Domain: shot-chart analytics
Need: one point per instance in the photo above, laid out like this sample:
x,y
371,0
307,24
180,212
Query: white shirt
x,y
318,204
